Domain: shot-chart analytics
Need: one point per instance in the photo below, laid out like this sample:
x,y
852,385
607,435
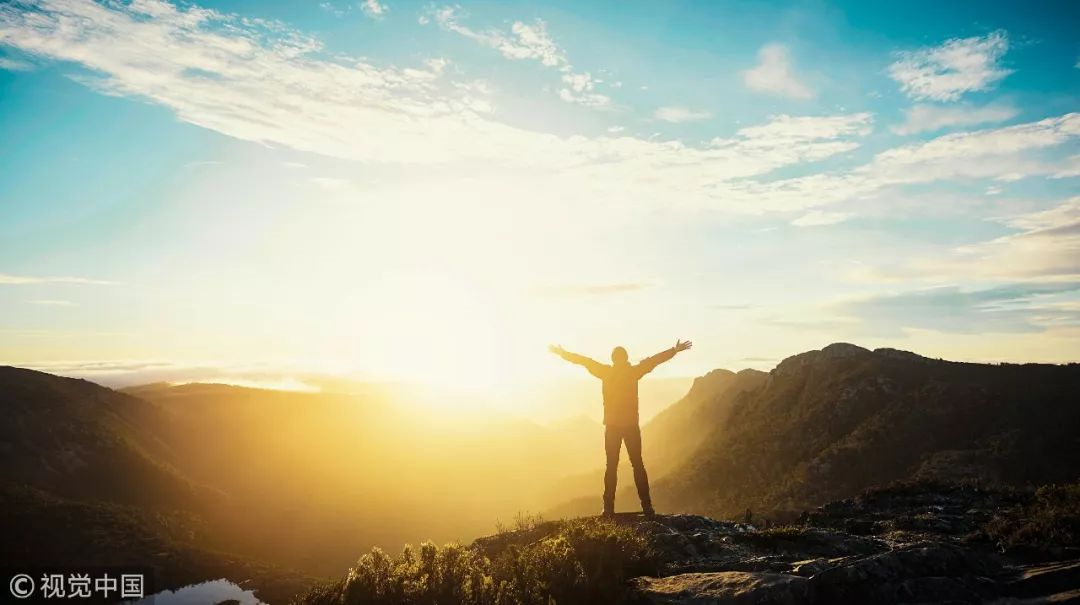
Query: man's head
x,y
619,356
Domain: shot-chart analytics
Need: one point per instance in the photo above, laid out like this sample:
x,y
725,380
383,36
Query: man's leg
x,y
612,445
641,478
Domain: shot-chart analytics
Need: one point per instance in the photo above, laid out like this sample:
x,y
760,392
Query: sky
x,y
435,192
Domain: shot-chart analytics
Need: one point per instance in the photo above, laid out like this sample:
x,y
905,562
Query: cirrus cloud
x,y
948,71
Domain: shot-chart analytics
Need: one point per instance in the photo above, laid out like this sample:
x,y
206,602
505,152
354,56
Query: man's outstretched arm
x,y
594,367
649,363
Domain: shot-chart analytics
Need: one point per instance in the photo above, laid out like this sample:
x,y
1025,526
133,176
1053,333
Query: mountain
x,y
76,439
298,480
675,433
828,424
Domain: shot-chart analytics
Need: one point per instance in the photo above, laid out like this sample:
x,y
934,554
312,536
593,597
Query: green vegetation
x,y
1050,519
580,561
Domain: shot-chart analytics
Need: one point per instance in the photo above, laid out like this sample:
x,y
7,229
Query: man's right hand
x,y
557,349
682,345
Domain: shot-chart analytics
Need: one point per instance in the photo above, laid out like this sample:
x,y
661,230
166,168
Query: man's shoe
x,y
608,513
649,512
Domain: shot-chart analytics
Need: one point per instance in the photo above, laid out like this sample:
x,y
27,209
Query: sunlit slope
x,y
315,476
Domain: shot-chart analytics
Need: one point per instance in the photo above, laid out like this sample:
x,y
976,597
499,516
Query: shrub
x,y
581,561
1051,518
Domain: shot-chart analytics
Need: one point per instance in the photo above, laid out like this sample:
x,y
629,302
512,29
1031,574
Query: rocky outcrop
x,y
908,544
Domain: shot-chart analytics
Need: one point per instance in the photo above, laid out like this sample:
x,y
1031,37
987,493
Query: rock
x,y
720,588
936,590
902,575
900,354
1045,579
811,567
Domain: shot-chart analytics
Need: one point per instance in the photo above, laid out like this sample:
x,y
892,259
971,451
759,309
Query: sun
x,y
444,333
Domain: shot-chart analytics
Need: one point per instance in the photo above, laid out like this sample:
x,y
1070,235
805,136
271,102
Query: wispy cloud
x,y
946,72
261,81
774,75
928,118
532,42
1009,308
1004,154
124,373
1045,248
332,9
17,280
14,65
677,114
374,9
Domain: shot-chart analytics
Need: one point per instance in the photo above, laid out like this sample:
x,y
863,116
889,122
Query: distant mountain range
x,y
302,480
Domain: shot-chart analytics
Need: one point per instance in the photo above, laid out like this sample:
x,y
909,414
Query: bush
x,y
580,561
1050,519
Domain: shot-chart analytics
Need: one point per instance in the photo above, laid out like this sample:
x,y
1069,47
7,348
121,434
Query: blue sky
x,y
429,190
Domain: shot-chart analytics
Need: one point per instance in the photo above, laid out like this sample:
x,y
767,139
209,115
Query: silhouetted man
x,y
620,380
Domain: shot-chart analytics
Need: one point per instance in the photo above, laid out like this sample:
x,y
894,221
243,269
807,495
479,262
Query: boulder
x,y
722,588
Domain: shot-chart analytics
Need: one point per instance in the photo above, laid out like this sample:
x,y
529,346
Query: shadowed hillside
x,y
76,439
828,424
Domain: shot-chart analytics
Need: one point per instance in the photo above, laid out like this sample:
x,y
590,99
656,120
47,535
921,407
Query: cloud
x,y
14,65
1068,169
817,218
927,118
1045,248
1020,307
1003,154
374,9
125,373
678,114
589,290
7,279
773,74
524,41
784,129
263,82
52,303
333,10
946,72
531,42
